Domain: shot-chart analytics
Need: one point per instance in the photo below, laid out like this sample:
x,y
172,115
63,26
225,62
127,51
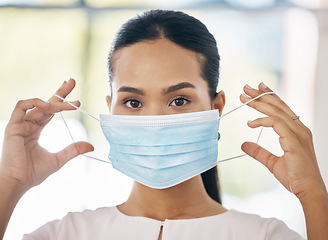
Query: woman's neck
x,y
183,201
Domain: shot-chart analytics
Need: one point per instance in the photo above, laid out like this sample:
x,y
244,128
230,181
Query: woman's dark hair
x,y
187,32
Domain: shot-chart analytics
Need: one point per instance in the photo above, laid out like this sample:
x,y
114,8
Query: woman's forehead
x,y
161,61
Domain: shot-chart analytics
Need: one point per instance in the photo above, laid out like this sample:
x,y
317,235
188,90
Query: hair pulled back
x,y
187,32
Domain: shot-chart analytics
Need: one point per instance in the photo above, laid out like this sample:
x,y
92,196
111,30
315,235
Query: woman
x,y
164,63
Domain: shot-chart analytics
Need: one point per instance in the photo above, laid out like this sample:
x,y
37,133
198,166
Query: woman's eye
x,y
132,103
179,102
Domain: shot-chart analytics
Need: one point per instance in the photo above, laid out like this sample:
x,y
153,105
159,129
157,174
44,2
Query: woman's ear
x,y
109,101
219,102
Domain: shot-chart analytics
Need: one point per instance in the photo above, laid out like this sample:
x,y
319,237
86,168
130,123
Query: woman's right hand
x,y
23,161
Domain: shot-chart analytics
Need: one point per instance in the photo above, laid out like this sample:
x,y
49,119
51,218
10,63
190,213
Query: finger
x,y
270,99
288,140
272,110
42,116
72,151
260,154
22,106
269,160
274,100
64,90
262,88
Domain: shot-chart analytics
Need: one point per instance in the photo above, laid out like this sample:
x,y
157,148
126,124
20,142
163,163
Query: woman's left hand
x,y
297,169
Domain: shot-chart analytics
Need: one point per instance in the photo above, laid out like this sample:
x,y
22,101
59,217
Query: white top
x,y
109,223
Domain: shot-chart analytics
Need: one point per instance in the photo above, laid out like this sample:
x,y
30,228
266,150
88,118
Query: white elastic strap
x,y
223,160
242,155
94,158
231,158
246,103
80,109
258,138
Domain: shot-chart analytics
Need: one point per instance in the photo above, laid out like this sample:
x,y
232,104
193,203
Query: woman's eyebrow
x,y
177,87
131,90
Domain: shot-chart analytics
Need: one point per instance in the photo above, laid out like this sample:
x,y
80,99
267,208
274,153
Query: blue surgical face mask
x,y
164,150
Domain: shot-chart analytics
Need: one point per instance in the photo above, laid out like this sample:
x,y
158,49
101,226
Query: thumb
x,y
260,154
72,151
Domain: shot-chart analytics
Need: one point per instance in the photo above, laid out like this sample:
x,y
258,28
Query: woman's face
x,y
159,78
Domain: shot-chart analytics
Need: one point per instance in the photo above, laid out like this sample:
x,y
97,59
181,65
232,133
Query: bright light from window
x,y
252,3
38,2
308,3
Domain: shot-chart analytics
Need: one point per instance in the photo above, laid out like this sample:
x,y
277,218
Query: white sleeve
x,y
89,224
48,231
28,237
278,230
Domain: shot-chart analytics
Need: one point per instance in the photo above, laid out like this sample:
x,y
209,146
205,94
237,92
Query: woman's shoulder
x,y
102,212
89,216
272,228
242,217
74,221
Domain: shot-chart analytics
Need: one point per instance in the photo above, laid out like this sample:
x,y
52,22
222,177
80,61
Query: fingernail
x,y
249,121
245,96
64,83
247,86
263,85
76,103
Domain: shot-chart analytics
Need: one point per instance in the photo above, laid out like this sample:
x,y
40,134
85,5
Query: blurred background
x,y
283,43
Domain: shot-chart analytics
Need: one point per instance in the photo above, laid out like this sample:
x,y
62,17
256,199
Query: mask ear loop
x,y
258,138
77,108
223,160
81,110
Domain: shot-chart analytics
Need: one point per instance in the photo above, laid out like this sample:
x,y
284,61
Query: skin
x,y
297,169
24,163
152,68
163,78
